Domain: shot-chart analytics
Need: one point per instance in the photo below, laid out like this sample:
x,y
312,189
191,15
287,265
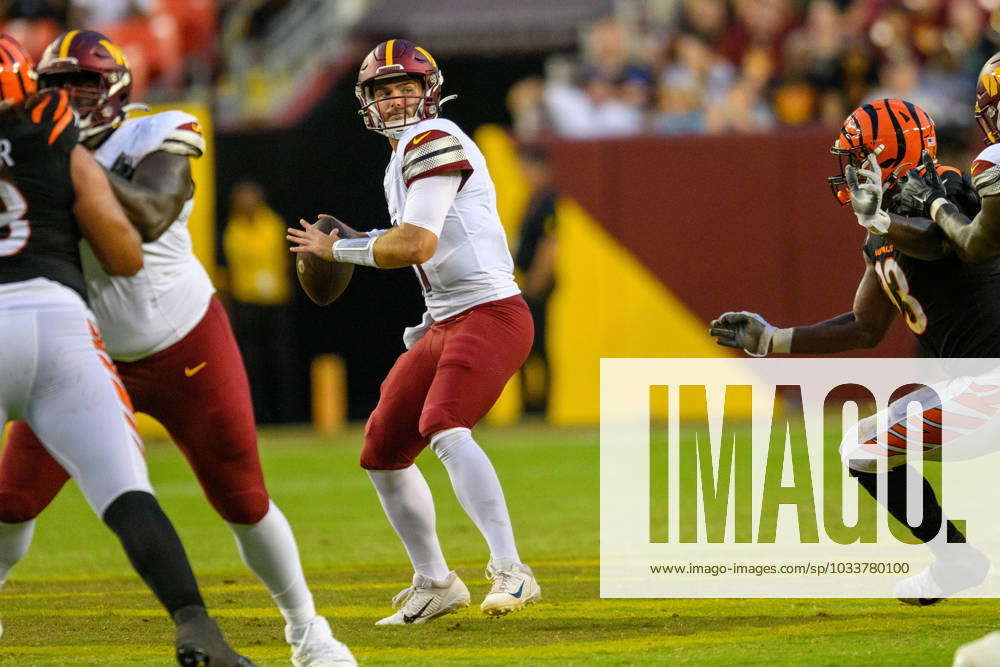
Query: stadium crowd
x,y
689,66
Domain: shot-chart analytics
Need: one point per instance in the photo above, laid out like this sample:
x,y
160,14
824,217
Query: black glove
x,y
915,192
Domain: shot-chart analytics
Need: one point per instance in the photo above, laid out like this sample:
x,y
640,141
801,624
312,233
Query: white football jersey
x,y
142,314
985,171
472,264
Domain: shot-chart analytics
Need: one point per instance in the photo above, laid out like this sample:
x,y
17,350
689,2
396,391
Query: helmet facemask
x,y
391,61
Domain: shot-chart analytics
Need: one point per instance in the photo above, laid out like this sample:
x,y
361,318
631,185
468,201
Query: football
x,y
324,281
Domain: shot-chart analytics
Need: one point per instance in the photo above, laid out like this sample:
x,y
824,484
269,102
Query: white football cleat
x,y
984,652
427,599
945,577
514,587
313,645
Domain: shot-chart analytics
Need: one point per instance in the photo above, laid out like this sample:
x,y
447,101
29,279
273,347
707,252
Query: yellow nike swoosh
x,y
191,371
417,140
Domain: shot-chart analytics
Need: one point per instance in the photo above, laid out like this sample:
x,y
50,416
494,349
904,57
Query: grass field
x,y
74,599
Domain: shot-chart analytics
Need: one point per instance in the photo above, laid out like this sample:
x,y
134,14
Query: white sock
x,y
478,489
408,503
268,548
15,538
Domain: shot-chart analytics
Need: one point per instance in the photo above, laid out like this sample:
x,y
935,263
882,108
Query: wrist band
x,y
356,251
936,206
781,342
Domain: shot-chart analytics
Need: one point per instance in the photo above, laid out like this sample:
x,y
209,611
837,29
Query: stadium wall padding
x,y
658,236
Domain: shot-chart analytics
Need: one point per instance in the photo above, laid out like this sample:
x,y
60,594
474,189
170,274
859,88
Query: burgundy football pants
x,y
450,378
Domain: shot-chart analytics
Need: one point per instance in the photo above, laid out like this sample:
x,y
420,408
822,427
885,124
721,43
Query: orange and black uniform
x,y
44,242
951,306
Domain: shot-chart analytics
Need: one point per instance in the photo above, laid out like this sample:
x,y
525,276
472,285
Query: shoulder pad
x,y
185,139
434,152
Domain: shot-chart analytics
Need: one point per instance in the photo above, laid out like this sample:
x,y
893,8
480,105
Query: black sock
x,y
895,502
154,549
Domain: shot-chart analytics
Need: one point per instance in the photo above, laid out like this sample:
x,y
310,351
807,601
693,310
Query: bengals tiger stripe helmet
x,y
95,73
896,131
17,75
399,58
988,100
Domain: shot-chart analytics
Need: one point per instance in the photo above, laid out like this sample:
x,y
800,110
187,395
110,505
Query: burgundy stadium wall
x,y
742,222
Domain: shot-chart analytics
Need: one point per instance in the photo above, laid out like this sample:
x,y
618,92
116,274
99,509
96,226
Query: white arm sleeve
x,y
428,201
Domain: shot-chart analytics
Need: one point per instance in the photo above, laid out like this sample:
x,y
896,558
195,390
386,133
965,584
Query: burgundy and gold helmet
x,y
399,58
988,99
95,73
17,77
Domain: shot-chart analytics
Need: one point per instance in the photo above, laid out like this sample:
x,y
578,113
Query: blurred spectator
x,y
260,286
535,261
97,14
748,65
695,79
34,23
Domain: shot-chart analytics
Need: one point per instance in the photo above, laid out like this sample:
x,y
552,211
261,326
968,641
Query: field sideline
x,y
75,601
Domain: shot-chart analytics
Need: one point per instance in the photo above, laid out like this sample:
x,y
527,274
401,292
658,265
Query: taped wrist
x,y
356,251
877,224
781,341
941,206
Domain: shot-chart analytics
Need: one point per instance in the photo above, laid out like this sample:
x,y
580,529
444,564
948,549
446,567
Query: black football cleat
x,y
200,642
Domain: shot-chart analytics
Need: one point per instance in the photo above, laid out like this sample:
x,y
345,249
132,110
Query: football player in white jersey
x,y
476,333
54,370
169,336
976,240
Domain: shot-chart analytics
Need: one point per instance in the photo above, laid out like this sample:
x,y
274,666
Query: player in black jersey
x,y
54,371
950,306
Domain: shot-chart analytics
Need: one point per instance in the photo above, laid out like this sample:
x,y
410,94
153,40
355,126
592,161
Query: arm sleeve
x,y
429,199
372,233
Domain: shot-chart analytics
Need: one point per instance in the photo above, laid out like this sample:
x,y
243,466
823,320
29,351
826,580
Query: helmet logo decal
x,y
990,83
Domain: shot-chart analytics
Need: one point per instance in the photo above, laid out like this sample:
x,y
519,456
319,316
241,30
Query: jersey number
x,y
14,229
895,285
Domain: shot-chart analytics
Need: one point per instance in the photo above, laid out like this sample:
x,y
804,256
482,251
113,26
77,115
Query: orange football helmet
x,y
17,72
896,131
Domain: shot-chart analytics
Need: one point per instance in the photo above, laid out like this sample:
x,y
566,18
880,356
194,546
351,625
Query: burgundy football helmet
x,y
95,73
988,99
399,58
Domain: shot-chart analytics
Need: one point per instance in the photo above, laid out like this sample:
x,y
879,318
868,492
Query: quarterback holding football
x,y
476,333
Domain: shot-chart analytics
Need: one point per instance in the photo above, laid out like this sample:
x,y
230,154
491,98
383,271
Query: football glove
x,y
866,197
748,331
916,192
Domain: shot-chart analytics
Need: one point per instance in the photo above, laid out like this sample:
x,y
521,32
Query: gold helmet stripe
x,y
67,40
429,56
388,52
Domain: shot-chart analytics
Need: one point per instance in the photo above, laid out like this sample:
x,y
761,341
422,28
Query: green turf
x,y
74,600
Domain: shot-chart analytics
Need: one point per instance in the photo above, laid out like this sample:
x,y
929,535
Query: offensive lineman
x,y
170,338
476,333
948,304
56,373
